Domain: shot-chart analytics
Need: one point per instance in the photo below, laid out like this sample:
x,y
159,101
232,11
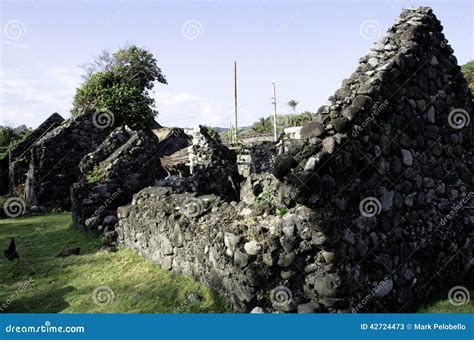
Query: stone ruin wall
x,y
55,158
354,217
211,168
20,156
4,175
256,158
126,162
392,157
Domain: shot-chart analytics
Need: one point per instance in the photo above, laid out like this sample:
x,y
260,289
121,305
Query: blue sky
x,y
305,47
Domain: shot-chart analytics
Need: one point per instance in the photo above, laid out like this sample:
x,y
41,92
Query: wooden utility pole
x,y
235,102
274,113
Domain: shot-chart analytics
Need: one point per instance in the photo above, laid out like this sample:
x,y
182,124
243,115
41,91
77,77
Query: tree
x,y
10,137
263,125
283,121
216,137
468,71
120,83
293,103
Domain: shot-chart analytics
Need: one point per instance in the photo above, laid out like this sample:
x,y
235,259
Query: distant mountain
x,y
222,130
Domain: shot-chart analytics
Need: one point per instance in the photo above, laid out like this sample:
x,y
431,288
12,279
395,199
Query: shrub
x,y
120,83
10,137
95,176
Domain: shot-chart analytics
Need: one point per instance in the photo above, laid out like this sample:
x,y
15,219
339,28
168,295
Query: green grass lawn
x,y
442,305
66,285
3,198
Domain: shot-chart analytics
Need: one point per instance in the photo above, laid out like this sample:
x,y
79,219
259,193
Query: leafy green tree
x,y
10,137
293,104
213,134
120,83
468,71
262,125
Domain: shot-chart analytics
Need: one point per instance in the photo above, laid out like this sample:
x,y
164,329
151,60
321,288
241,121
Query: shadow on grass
x,y
51,301
69,284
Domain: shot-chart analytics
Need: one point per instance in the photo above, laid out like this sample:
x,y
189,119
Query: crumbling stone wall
x,y
234,248
367,212
256,158
384,164
4,178
54,164
212,168
20,155
126,162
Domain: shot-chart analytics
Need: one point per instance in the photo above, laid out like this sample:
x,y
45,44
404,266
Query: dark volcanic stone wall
x,y
243,251
256,158
55,158
385,164
368,212
20,155
126,162
4,178
212,168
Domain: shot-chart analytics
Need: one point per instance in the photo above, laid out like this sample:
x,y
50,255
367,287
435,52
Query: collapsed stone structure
x,y
4,178
367,212
256,158
212,168
55,158
126,162
20,156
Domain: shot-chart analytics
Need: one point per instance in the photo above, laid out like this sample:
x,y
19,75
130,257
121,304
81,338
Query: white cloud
x,y
186,110
30,99
27,98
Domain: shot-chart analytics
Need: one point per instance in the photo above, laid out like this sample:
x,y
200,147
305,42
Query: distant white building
x,y
293,132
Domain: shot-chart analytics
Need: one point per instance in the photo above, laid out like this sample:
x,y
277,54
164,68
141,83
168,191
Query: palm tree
x,y
293,103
